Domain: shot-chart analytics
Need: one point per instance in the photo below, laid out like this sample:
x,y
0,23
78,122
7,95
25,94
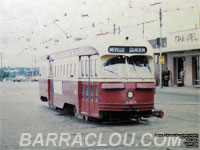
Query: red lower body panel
x,y
92,98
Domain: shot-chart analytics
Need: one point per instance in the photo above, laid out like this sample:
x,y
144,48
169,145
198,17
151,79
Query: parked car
x,y
19,79
34,79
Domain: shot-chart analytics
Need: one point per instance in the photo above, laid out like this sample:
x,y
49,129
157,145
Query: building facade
x,y
182,53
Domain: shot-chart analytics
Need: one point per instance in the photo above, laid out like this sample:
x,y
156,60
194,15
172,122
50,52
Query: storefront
x,y
182,57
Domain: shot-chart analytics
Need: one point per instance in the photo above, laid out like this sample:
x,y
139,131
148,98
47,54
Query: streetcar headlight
x,y
130,94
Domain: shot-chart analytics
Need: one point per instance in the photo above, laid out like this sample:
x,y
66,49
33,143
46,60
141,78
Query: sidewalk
x,y
179,90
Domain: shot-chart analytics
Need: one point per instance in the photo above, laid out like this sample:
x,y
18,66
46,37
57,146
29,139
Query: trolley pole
x,y
160,46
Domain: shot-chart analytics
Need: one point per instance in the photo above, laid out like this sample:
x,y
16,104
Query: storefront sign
x,y
161,60
184,40
186,37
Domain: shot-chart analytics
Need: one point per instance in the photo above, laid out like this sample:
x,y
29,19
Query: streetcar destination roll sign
x,y
127,49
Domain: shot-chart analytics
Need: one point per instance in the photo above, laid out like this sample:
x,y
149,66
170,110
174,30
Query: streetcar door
x,y
88,88
83,102
93,101
50,83
85,85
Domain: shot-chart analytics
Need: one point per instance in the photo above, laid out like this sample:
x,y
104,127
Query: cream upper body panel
x,y
67,64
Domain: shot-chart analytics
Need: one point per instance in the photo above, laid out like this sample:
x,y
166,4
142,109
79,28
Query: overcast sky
x,y
36,27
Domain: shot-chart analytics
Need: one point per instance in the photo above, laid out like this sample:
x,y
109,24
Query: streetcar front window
x,y
115,60
140,61
115,67
138,66
128,67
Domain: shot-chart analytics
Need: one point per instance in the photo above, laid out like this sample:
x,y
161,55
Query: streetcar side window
x,y
82,73
64,70
70,70
82,91
91,90
61,70
96,93
74,70
58,71
86,66
41,71
67,70
55,70
91,63
95,67
86,92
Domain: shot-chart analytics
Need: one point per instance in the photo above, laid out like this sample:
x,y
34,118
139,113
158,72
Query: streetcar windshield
x,y
128,67
115,61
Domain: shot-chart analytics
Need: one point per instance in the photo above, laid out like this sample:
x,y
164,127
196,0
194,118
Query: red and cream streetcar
x,y
110,81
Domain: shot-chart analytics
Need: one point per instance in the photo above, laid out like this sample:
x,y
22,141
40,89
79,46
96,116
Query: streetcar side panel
x,y
65,81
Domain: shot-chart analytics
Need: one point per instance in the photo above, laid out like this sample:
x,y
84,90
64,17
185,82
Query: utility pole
x,y
119,30
160,15
114,28
143,29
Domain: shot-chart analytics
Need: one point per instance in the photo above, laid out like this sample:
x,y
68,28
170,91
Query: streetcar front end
x,y
129,86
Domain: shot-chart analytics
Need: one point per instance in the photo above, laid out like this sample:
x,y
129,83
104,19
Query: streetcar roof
x,y
99,46
108,41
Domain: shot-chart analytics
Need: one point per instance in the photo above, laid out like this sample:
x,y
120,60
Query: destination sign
x,y
127,49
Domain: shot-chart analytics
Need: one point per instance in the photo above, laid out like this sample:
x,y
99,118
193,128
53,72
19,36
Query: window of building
x,y
196,70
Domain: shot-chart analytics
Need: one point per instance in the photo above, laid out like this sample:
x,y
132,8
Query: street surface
x,y
23,112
